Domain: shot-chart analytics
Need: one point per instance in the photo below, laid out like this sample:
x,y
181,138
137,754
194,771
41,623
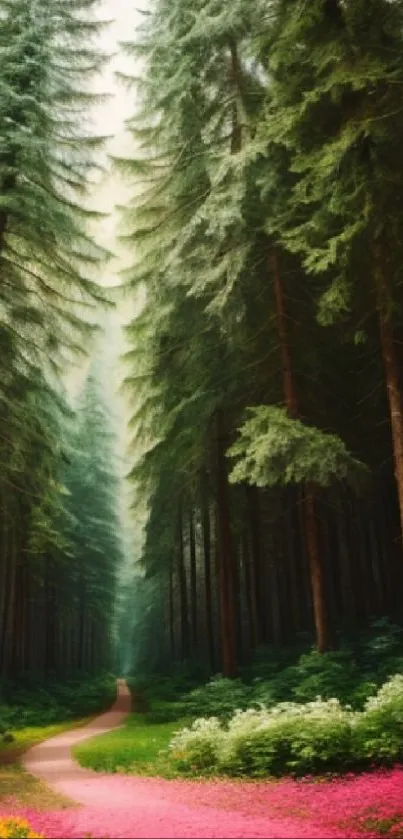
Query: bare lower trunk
x,y
8,641
315,561
253,565
226,562
193,578
183,595
171,614
324,640
207,571
395,399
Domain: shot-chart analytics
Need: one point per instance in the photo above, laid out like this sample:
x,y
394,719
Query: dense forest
x,y
58,522
201,418
264,372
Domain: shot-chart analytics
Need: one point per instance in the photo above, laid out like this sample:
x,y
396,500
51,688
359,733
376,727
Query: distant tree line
x,y
58,528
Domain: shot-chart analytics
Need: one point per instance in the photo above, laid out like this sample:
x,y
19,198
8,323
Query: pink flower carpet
x,y
123,807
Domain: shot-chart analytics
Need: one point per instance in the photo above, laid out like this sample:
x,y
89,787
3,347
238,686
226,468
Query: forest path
x,y
52,760
126,807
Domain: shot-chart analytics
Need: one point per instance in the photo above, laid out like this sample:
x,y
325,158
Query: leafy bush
x,y
318,736
378,732
326,675
169,713
39,705
198,747
15,828
220,697
353,673
286,738
163,687
279,674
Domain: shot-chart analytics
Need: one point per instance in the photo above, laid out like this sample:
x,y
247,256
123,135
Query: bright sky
x,y
109,116
109,120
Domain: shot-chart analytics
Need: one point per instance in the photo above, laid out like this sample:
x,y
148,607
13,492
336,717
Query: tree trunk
x,y
50,624
275,594
324,640
193,579
321,617
292,553
207,570
226,560
4,573
171,613
183,594
392,375
249,588
253,565
8,640
81,648
346,579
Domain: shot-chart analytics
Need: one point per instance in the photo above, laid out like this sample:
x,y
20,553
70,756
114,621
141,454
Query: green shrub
x,y
326,675
220,697
39,705
279,688
162,687
197,748
378,731
287,738
315,737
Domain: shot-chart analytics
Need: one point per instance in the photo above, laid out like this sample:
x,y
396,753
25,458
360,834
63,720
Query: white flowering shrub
x,y
389,696
269,741
378,733
318,736
287,738
196,748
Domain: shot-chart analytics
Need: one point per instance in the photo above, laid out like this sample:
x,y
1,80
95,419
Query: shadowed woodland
x,y
263,373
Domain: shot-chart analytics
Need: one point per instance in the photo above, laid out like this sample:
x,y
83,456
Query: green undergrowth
x,y
30,711
285,714
139,748
352,674
20,788
292,738
17,785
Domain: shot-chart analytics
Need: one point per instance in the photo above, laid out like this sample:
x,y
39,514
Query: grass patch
x,y
17,785
23,790
139,748
24,738
30,714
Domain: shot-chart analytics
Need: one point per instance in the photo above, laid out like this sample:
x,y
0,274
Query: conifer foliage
x,y
264,368
56,584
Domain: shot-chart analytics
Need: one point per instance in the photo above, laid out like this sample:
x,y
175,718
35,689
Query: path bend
x,y
52,760
127,807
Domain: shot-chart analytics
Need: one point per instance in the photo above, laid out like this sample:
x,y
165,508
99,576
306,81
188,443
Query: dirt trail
x,y
52,760
126,807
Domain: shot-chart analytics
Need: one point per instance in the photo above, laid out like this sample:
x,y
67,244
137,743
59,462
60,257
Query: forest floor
x,y
18,785
120,806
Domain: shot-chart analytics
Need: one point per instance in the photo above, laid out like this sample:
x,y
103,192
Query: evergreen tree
x,y
48,260
342,214
232,235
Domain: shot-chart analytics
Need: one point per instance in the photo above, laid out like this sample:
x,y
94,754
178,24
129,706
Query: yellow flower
x,y
16,828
